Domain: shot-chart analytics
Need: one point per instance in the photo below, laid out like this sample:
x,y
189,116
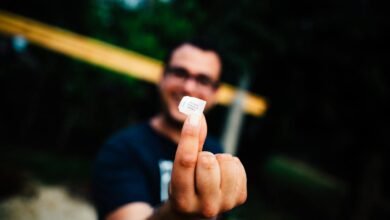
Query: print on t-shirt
x,y
165,177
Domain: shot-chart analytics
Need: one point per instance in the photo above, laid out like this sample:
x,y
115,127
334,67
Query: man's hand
x,y
204,184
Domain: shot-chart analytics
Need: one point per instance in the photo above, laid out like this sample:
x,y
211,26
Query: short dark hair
x,y
203,43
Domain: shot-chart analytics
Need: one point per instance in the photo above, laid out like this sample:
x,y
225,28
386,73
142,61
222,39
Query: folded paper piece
x,y
191,105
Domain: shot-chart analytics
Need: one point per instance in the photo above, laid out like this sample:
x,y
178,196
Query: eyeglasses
x,y
183,75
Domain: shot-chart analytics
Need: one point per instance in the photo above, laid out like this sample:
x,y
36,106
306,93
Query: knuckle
x,y
242,197
189,132
228,203
182,204
209,210
188,160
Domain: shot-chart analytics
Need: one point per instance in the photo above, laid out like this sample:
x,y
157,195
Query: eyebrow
x,y
198,74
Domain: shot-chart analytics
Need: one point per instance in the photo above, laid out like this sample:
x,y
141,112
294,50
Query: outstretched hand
x,y
204,184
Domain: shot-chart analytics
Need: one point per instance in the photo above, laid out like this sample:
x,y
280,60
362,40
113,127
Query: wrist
x,y
166,211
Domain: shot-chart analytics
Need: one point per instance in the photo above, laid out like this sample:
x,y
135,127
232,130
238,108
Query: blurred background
x,y
317,151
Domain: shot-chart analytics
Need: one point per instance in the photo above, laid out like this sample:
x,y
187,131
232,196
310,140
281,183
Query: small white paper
x,y
191,105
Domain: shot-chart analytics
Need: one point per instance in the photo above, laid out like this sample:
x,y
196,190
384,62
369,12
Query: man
x,y
135,177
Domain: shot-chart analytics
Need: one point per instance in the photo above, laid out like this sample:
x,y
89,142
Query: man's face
x,y
190,72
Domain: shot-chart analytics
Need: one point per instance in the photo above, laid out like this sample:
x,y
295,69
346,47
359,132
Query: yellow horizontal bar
x,y
108,56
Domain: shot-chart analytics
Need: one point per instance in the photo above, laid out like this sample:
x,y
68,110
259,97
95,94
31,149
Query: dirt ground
x,y
47,203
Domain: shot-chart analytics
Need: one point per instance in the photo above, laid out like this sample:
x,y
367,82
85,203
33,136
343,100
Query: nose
x,y
190,86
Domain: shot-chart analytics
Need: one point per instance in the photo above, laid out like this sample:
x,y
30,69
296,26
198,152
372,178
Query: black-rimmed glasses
x,y
183,75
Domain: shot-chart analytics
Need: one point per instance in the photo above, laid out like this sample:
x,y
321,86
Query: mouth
x,y
177,98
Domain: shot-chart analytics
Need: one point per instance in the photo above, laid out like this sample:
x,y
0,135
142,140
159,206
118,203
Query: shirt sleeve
x,y
118,178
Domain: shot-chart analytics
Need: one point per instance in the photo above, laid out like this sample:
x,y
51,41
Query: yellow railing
x,y
108,56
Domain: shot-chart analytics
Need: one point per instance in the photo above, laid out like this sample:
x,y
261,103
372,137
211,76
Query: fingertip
x,y
195,120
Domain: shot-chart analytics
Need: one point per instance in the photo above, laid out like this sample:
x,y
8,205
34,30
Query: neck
x,y
169,129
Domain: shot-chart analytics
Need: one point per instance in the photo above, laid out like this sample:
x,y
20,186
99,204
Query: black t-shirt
x,y
133,166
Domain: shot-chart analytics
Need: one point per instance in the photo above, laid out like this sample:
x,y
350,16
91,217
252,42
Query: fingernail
x,y
194,120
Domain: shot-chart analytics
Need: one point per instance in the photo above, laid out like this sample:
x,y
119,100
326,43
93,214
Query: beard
x,y
174,123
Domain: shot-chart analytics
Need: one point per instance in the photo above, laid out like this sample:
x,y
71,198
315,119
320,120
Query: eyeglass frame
x,y
183,74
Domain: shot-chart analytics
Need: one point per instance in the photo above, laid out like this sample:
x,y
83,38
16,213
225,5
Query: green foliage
x,y
147,30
